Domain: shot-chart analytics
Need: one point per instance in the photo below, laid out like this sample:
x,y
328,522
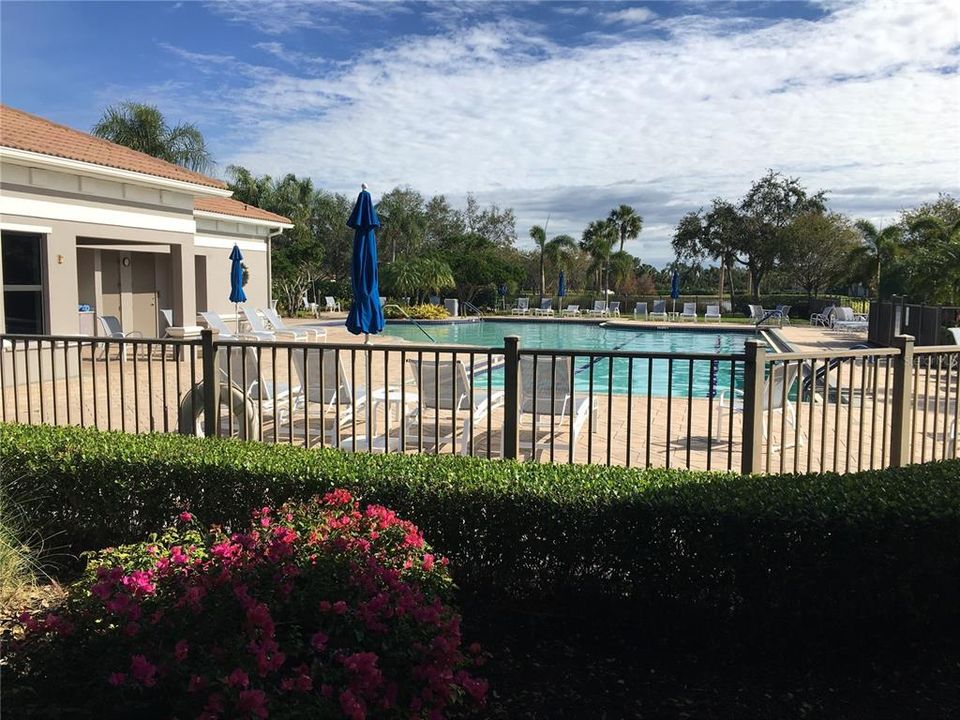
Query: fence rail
x,y
756,411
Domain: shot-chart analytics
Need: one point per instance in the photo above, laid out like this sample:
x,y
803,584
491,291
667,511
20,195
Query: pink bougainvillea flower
x,y
117,679
238,678
181,650
428,562
139,582
186,517
352,706
143,671
252,702
319,641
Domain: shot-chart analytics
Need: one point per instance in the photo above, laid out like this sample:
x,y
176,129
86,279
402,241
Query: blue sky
x,y
563,109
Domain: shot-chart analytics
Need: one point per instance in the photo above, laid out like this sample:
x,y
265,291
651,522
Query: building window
x,y
22,266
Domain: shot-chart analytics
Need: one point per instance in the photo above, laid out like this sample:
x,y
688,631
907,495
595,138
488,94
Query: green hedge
x,y
868,546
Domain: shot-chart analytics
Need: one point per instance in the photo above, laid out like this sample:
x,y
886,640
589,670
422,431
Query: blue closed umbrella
x,y
561,289
675,288
366,315
237,295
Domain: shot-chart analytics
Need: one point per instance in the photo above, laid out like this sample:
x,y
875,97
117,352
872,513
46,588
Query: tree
x,y
560,251
628,222
769,206
879,248
403,221
143,128
598,240
818,250
622,271
497,226
480,266
539,237
933,240
417,276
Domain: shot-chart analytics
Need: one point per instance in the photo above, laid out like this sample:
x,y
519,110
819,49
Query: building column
x,y
183,285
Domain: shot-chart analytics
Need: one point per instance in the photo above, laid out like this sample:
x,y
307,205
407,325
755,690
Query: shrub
x,y
417,312
858,548
317,610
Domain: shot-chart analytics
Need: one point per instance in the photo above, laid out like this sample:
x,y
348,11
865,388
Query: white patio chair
x,y
822,318
640,311
551,394
215,322
689,312
310,307
522,308
846,321
613,309
713,313
599,309
325,386
659,309
784,311
782,374
331,305
111,328
238,365
546,307
444,386
278,325
258,328
571,311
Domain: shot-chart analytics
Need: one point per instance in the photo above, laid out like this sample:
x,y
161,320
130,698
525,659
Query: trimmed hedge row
x,y
869,546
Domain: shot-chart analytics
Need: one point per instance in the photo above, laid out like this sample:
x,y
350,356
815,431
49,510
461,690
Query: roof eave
x,y
240,218
105,171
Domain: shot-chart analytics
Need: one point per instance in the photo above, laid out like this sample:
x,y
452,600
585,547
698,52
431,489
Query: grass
x,y
21,554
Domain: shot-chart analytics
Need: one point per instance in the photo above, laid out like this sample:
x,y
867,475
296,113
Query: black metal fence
x,y
755,411
925,323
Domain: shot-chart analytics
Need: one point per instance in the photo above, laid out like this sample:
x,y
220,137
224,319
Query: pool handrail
x,y
413,320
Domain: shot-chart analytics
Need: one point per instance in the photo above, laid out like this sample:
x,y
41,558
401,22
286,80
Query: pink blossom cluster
x,y
340,606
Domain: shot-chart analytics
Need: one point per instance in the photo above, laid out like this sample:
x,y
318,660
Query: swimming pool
x,y
660,377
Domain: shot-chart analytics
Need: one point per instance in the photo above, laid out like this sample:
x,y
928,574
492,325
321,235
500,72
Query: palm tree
x,y
559,251
628,222
143,128
598,240
880,248
539,236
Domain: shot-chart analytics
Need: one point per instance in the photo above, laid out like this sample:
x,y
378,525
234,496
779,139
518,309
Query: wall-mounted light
x,y
59,259
126,262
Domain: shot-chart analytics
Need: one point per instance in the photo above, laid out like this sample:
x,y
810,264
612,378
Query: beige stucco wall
x,y
218,279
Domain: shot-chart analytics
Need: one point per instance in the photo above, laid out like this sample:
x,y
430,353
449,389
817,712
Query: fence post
x,y
511,400
210,389
900,440
753,378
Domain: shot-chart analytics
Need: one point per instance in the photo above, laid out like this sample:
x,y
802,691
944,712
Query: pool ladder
x,y
413,320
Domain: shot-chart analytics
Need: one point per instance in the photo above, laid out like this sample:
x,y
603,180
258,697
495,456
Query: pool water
x,y
654,376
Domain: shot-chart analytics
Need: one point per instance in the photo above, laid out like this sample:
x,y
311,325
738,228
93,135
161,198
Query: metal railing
x,y
755,411
413,320
467,305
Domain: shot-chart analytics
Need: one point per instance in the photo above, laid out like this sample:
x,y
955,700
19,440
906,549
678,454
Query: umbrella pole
x,y
236,314
366,338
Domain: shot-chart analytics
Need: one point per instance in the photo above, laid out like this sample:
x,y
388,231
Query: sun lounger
x,y
689,312
571,311
713,313
659,310
546,307
522,308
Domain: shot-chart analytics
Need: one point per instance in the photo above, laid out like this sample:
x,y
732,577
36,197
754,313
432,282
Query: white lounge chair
x,y
613,309
278,325
845,320
546,307
258,328
659,309
522,308
713,313
782,374
599,309
547,397
444,386
571,311
640,311
325,385
331,305
111,328
215,322
689,312
955,334
784,311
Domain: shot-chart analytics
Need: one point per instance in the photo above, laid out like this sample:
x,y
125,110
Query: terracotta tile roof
x,y
229,206
24,131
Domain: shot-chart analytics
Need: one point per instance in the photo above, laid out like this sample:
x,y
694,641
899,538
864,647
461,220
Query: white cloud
x,y
631,16
858,100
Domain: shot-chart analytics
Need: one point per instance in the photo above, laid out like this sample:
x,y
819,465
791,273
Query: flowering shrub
x,y
319,610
